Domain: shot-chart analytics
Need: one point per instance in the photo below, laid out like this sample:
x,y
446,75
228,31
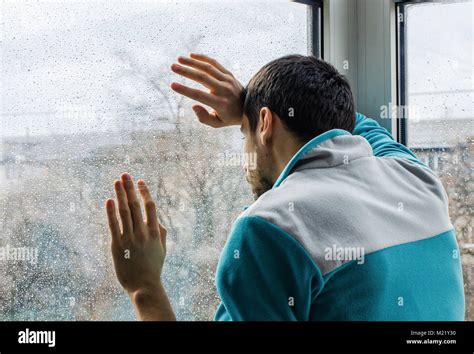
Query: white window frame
x,y
360,41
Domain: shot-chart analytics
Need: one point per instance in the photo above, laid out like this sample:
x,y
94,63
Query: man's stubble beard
x,y
259,181
259,184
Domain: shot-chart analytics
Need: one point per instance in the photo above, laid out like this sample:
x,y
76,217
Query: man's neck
x,y
284,152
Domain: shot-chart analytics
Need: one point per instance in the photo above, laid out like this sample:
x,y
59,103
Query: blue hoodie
x,y
356,228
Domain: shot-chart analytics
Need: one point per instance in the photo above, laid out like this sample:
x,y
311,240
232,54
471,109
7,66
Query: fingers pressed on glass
x,y
150,207
123,208
194,94
210,119
197,75
211,61
133,203
203,66
112,218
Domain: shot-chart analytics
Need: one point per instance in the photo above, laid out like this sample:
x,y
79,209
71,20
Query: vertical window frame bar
x,y
315,27
401,70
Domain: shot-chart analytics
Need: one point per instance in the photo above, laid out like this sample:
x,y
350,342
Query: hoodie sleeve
x,y
264,274
381,140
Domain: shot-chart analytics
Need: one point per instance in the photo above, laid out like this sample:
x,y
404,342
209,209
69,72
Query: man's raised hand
x,y
224,94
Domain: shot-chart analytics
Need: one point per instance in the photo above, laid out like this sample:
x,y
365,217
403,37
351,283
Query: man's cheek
x,y
250,159
249,175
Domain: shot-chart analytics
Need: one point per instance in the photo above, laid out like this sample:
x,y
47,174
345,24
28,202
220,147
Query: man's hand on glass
x,y
139,249
224,94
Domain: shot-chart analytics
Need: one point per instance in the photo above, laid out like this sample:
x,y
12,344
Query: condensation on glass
x,y
440,97
85,96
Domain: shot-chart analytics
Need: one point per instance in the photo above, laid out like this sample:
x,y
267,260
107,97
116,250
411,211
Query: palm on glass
x,y
224,95
138,246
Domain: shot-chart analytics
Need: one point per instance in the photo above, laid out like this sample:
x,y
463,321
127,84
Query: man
x,y
347,224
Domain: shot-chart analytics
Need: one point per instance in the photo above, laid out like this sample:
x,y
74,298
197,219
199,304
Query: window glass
x,y
85,96
440,97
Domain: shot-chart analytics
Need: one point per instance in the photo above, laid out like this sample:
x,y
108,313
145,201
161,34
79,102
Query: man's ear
x,y
265,125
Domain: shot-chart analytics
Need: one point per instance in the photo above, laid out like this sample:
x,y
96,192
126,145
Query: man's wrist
x,y
147,294
152,303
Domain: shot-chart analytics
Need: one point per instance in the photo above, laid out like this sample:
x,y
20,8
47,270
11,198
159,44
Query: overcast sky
x,y
440,56
61,56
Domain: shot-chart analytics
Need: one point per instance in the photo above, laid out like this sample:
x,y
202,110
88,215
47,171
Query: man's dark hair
x,y
308,94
